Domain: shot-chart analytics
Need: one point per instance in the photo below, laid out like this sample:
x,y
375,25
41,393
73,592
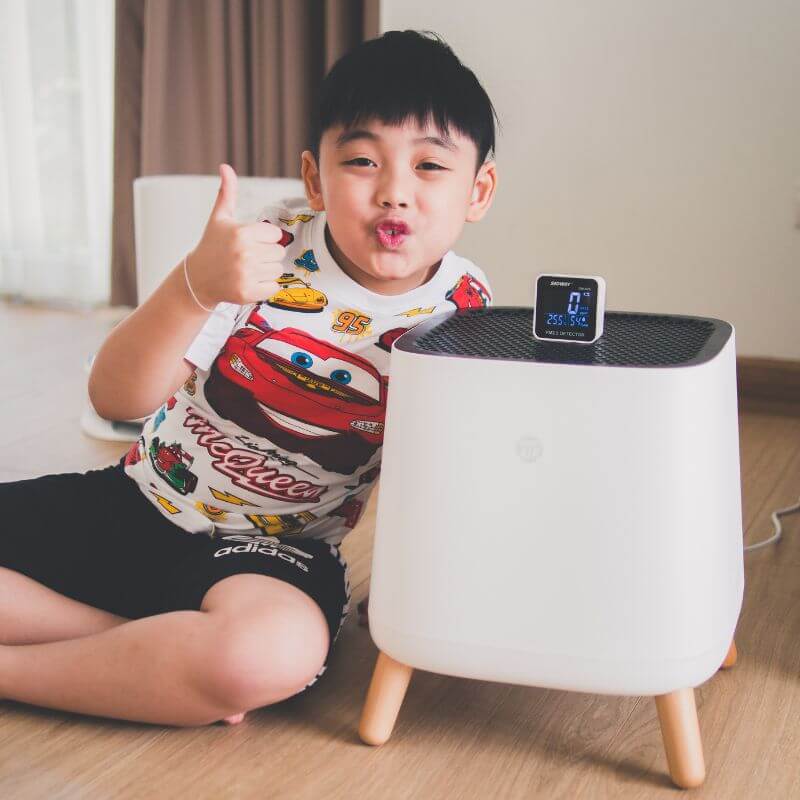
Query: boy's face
x,y
378,171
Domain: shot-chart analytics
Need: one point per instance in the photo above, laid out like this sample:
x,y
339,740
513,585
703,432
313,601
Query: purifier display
x,y
569,308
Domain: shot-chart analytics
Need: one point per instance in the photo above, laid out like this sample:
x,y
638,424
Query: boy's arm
x,y
141,363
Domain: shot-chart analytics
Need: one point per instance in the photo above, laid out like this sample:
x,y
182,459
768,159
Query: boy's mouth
x,y
392,233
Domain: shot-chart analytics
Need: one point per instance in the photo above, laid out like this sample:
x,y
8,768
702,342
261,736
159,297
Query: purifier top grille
x,y
629,339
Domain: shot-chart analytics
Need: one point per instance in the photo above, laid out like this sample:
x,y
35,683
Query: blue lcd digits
x,y
569,308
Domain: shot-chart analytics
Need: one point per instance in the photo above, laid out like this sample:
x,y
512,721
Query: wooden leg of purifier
x,y
384,698
680,730
730,659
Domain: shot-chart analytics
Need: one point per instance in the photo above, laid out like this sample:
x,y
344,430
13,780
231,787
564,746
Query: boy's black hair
x,y
400,76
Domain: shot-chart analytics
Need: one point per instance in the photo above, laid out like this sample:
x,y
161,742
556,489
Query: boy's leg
x,y
255,641
55,560
31,612
183,667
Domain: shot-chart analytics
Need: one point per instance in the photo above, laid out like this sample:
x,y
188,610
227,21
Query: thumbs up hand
x,y
234,262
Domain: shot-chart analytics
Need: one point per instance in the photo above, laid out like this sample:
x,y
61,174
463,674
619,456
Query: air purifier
x,y
559,515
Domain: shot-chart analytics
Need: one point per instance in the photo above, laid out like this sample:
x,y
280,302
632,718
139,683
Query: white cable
x,y
776,522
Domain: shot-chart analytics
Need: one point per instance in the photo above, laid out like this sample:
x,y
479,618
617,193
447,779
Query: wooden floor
x,y
454,738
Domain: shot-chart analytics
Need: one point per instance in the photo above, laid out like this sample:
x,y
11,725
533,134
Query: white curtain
x,y
56,150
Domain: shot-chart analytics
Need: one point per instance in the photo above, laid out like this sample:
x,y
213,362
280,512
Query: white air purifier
x,y
560,516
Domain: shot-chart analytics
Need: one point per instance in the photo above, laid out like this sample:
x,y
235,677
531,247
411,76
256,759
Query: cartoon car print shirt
x,y
279,429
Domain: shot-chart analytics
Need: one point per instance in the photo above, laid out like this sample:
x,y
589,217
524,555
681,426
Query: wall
x,y
657,144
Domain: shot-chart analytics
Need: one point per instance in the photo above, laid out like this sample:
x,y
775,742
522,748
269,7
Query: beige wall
x,y
654,143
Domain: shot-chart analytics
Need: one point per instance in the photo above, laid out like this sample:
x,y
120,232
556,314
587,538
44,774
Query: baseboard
x,y
768,385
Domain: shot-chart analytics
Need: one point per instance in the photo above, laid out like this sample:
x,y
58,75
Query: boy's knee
x,y
261,657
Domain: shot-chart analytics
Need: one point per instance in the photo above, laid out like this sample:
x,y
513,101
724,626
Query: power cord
x,y
776,522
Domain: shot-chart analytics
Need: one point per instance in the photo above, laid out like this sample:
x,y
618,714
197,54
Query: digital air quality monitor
x,y
569,308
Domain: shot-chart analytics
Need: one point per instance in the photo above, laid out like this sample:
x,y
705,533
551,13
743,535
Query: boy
x,y
201,577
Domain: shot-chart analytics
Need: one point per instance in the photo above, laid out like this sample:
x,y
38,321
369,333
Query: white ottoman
x,y
560,515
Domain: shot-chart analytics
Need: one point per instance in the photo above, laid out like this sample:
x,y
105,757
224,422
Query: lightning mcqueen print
x,y
304,394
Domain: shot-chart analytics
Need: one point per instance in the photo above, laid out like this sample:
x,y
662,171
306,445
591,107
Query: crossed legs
x,y
255,641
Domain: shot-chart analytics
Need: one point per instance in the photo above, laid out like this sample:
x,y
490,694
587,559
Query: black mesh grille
x,y
629,339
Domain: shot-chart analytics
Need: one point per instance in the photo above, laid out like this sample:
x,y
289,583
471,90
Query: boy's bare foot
x,y
234,719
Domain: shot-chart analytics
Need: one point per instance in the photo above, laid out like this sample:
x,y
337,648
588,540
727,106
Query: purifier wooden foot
x,y
680,730
730,659
384,698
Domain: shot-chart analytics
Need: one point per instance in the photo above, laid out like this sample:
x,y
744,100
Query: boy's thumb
x,y
225,205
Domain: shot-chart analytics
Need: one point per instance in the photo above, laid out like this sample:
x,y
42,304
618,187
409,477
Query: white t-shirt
x,y
279,430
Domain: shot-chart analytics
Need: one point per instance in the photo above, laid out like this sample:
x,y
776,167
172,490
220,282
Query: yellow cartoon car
x,y
297,298
277,524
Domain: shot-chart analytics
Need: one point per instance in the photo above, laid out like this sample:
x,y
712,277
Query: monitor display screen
x,y
566,308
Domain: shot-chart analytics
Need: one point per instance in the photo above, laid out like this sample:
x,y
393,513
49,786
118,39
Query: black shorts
x,y
122,555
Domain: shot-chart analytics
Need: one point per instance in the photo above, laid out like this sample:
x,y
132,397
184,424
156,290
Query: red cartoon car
x,y
351,509
388,338
172,463
469,292
286,237
134,454
302,393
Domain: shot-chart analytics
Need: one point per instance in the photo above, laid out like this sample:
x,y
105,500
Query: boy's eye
x,y
424,164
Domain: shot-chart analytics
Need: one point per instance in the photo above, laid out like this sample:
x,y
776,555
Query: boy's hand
x,y
234,262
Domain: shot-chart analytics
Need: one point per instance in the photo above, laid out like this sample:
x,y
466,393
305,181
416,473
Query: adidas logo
x,y
255,547
273,541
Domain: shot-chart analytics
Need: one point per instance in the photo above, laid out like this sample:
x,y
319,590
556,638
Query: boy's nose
x,y
392,193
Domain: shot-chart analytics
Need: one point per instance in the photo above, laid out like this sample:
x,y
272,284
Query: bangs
x,y
402,77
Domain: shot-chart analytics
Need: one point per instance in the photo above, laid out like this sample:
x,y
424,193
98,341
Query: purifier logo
x,y
529,448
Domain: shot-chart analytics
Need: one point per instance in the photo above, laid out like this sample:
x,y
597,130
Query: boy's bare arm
x,y
141,362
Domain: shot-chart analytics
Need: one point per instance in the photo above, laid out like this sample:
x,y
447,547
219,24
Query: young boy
x,y
201,577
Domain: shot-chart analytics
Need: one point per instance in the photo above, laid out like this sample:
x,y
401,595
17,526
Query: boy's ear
x,y
482,191
309,171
